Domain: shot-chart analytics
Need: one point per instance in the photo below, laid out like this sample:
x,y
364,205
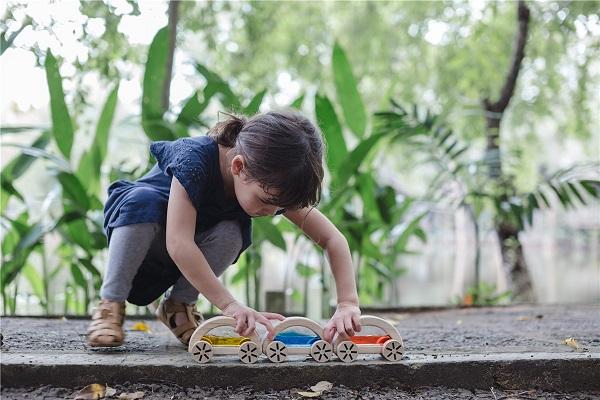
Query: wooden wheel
x,y
347,351
249,352
202,351
321,351
392,350
276,351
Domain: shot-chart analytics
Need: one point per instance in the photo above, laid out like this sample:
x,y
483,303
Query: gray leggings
x,y
131,246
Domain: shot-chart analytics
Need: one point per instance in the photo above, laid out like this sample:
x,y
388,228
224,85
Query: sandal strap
x,y
116,334
107,321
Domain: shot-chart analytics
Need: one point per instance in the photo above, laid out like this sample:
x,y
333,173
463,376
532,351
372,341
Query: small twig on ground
x,y
493,394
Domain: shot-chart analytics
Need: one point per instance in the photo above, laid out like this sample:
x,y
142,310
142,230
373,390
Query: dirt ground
x,y
458,331
158,391
517,329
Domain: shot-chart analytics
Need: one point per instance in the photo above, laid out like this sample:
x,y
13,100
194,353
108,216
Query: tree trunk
x,y
514,263
508,233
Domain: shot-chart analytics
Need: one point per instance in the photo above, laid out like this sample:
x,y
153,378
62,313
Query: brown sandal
x,y
166,314
106,328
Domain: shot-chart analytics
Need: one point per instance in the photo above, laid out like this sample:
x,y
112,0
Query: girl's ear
x,y
237,165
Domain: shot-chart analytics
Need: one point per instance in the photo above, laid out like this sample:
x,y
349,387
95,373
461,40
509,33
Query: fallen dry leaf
x,y
131,396
91,392
523,318
109,391
322,386
571,342
141,326
309,394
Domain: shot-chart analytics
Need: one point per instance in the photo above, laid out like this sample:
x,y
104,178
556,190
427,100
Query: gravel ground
x,y
515,329
156,391
477,330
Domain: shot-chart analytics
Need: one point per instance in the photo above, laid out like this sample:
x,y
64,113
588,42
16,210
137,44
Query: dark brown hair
x,y
282,151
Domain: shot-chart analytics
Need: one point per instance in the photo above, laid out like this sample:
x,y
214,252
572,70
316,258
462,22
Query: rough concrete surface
x,y
465,351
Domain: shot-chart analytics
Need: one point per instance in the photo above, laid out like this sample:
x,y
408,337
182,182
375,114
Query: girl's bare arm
x,y
330,239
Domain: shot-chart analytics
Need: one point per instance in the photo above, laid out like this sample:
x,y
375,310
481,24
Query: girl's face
x,y
251,197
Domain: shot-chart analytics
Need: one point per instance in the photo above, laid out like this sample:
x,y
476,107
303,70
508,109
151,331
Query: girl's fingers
x,y
240,322
356,322
261,319
339,325
348,326
328,332
251,325
271,315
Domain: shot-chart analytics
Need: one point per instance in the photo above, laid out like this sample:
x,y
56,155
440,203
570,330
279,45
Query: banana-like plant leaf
x,y
347,92
254,104
62,125
264,229
332,130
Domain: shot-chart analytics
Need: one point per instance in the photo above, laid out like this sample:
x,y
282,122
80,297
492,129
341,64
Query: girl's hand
x,y
345,321
246,318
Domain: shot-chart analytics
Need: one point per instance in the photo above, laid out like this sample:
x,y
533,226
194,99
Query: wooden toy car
x,y
390,345
295,343
204,346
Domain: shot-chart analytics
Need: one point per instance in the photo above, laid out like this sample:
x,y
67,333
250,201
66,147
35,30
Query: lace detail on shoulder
x,y
187,160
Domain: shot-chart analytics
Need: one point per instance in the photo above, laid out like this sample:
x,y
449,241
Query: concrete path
x,y
517,347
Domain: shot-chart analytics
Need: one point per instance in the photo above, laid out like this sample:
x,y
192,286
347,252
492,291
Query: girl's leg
x,y
127,249
220,246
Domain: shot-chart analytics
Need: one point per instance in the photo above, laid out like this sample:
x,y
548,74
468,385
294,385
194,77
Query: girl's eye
x,y
280,211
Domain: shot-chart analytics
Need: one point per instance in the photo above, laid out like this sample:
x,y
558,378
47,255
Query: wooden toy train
x,y
287,342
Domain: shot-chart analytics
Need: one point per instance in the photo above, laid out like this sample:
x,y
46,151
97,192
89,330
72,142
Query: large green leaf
x,y
155,74
20,164
347,92
332,130
220,87
265,229
74,190
193,108
354,159
35,281
62,126
91,162
254,104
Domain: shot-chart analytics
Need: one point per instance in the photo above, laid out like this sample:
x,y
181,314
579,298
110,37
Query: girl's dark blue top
x,y
195,164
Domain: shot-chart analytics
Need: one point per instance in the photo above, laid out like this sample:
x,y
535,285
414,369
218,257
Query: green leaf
x,y
400,245
35,281
354,159
74,190
20,164
264,229
91,162
61,163
154,76
158,129
218,86
193,108
62,126
78,276
347,92
254,104
305,271
367,188
332,130
592,187
297,103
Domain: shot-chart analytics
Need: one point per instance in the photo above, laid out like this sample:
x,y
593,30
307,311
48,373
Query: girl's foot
x,y
106,328
182,319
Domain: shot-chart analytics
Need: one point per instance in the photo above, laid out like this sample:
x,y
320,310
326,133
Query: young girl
x,y
183,223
